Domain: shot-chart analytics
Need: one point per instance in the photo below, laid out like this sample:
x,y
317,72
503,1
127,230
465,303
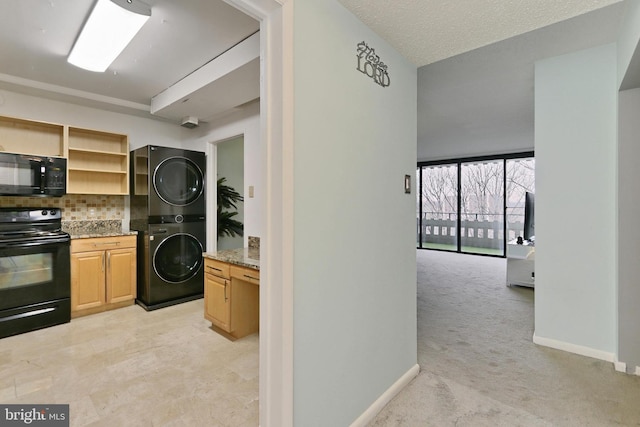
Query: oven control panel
x,y
29,215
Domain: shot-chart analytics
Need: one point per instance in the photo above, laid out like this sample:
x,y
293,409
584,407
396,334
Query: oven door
x,y
35,285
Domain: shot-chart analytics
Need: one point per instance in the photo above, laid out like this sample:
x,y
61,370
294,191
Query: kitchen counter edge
x,y
108,234
243,257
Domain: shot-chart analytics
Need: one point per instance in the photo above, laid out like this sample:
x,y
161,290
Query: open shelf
x,y
98,162
30,137
97,182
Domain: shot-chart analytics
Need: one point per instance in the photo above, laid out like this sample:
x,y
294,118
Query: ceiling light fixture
x,y
109,29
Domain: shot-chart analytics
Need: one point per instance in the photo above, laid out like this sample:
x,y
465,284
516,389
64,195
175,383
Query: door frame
x,y
276,249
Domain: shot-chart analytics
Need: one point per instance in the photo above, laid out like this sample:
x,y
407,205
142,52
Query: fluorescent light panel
x,y
109,29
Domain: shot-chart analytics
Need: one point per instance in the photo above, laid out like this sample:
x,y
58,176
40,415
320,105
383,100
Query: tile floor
x,y
129,367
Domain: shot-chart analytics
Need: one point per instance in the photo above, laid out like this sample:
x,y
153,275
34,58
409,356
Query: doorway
x,y
230,173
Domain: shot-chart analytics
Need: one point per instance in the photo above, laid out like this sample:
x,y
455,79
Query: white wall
x,y
247,123
575,142
629,197
355,263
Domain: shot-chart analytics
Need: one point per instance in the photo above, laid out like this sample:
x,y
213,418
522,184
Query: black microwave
x,y
26,175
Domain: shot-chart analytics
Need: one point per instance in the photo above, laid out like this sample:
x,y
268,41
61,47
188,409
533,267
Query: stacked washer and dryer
x,y
168,211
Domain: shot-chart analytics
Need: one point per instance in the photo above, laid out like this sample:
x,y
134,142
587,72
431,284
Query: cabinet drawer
x,y
216,268
102,243
247,274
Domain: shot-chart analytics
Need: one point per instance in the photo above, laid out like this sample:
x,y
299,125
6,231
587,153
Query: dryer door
x,y
178,181
178,258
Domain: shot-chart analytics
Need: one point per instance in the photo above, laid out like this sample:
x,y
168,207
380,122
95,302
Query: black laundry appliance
x,y
166,182
170,264
168,211
35,282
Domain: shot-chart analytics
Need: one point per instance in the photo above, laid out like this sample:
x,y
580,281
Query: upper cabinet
x,y
97,161
29,137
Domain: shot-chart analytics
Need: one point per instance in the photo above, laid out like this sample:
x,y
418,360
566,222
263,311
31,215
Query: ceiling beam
x,y
234,58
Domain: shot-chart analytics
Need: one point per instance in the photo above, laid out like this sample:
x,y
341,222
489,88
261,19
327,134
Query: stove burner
x,y
31,225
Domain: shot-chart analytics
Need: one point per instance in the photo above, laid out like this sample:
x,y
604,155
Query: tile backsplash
x,y
75,207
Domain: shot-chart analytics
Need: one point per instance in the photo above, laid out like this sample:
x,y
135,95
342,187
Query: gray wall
x,y
629,232
575,140
354,274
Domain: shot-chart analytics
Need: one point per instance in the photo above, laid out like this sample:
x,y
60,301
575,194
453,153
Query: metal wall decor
x,y
369,63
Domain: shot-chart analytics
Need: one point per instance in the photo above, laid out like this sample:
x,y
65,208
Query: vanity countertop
x,y
245,257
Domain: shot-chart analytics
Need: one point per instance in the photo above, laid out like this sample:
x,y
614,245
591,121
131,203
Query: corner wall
x,y
354,291
629,232
576,202
628,41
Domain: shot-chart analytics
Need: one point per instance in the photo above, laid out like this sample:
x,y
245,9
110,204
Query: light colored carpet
x,y
479,366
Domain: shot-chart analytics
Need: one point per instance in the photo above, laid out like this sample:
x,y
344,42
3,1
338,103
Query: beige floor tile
x,y
129,367
7,393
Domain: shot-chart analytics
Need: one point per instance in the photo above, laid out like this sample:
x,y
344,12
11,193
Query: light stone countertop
x,y
105,234
245,257
95,228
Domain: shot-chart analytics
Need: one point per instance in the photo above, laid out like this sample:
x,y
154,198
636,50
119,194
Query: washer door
x,y
178,181
178,258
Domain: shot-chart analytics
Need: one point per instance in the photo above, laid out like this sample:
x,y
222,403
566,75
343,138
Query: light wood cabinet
x,y
217,303
103,274
31,137
232,298
98,162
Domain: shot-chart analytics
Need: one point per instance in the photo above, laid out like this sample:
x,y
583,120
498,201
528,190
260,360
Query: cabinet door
x,y
121,275
217,301
87,280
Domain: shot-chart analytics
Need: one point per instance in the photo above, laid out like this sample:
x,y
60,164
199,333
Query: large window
x,y
473,205
438,195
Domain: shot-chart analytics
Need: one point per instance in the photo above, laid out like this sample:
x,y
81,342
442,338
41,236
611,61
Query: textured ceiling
x,y
426,31
482,101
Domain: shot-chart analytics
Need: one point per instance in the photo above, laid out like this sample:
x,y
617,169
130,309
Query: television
x,y
529,222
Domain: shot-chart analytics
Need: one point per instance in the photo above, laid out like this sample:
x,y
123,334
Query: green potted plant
x,y
227,209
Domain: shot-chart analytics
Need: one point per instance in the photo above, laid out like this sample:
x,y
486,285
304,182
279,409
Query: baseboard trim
x,y
367,416
574,348
620,366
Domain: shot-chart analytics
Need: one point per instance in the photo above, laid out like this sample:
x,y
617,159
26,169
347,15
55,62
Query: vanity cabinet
x,y
231,298
217,293
103,274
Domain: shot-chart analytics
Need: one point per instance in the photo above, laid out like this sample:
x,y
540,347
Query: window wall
x,y
473,205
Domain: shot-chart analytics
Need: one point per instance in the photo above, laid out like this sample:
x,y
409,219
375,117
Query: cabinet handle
x,y
108,260
106,243
225,291
249,277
